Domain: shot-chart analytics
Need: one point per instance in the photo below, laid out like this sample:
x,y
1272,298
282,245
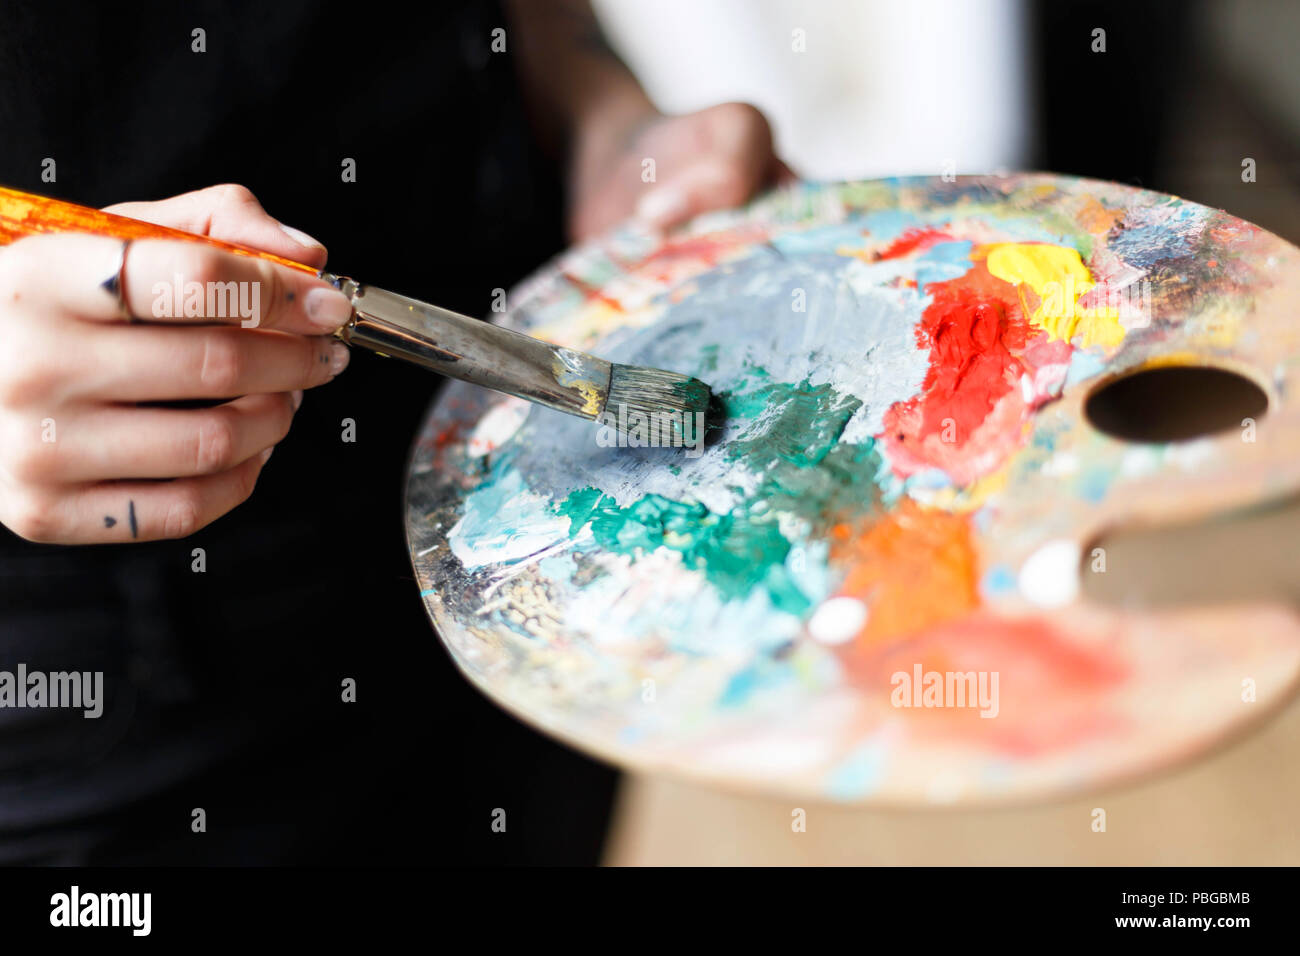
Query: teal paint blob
x,y
809,481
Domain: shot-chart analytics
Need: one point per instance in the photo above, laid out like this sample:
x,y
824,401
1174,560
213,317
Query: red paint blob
x,y
1054,690
913,240
971,329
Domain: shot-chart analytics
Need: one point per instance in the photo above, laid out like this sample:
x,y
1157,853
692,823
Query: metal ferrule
x,y
473,350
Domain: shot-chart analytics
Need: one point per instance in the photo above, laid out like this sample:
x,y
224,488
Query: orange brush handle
x,y
23,214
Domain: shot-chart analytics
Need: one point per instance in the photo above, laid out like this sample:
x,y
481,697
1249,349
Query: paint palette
x,y
869,588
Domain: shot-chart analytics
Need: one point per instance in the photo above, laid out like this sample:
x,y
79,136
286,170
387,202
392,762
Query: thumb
x,y
701,187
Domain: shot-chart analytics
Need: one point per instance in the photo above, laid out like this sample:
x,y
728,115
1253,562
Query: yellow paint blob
x,y
970,497
571,377
591,396
1059,278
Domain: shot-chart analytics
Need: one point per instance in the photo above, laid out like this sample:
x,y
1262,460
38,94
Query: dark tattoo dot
x,y
289,296
109,521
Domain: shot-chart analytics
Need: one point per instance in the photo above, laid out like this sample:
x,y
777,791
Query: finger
x,y
782,174
183,282
232,213
704,186
742,132
737,164
126,511
117,442
144,363
171,282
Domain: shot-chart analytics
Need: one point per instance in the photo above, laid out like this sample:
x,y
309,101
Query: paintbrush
x,y
666,404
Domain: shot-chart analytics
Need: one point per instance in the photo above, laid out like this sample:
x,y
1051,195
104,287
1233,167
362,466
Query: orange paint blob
x,y
1096,218
913,568
591,293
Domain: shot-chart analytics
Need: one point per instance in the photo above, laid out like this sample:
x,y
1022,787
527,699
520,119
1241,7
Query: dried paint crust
x,y
901,364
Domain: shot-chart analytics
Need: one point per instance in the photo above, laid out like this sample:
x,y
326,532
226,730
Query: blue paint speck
x,y
999,579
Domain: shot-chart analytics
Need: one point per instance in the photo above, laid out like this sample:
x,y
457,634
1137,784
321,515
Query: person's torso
x,y
447,205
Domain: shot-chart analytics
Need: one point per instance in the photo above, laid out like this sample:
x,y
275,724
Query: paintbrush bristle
x,y
667,405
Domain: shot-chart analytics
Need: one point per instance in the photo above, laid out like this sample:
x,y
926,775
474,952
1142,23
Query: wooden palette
x,y
869,588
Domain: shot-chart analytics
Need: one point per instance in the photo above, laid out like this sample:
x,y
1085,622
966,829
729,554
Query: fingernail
x,y
328,308
339,356
297,398
265,455
661,205
300,237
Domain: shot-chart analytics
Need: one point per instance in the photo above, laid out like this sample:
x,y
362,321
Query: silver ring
x,y
115,284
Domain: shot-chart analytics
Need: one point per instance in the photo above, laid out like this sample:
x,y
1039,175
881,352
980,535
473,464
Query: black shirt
x,y
223,688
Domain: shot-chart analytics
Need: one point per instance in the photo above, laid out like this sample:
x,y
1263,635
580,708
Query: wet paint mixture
x,y
899,488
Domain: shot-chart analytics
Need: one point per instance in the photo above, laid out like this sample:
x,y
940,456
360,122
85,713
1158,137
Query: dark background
x,y
225,685
1185,91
